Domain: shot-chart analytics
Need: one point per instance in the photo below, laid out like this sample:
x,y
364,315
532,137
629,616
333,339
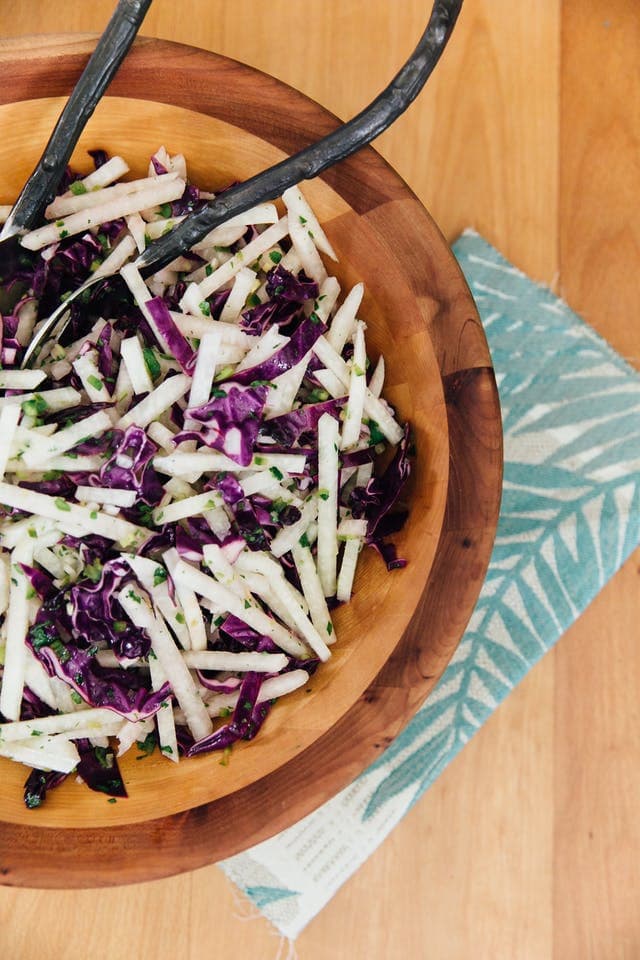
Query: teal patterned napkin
x,y
570,517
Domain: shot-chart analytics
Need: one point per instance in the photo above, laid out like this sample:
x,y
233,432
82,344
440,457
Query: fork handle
x,y
312,160
109,53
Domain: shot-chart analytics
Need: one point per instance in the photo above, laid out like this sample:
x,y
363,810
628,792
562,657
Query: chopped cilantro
x,y
64,234
205,308
134,596
151,363
166,749
304,541
62,505
208,270
75,696
95,382
275,256
159,576
180,617
278,474
329,627
94,514
119,626
165,210
323,493
147,746
77,188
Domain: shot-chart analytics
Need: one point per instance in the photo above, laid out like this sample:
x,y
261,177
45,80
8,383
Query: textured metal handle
x,y
109,53
311,161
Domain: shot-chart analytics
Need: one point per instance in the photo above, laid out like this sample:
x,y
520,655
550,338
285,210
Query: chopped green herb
x,y
275,256
314,317
253,300
218,621
95,382
134,596
35,407
112,800
278,474
205,308
147,746
36,733
226,756
59,223
323,493
208,270
33,533
75,696
119,626
151,363
64,234
304,541
259,461
93,571
180,617
94,514
357,369
77,188
375,434
302,220
226,711
329,627
165,210
159,576
52,475
166,749
247,605
62,505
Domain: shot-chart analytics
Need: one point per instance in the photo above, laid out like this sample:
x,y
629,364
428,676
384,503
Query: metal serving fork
x,y
307,163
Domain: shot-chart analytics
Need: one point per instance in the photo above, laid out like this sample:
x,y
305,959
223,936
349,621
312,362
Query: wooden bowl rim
x,y
198,829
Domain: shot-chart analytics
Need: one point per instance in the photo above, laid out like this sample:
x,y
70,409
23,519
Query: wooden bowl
x,y
400,630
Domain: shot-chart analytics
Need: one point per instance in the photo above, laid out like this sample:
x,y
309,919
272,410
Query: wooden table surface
x,y
528,846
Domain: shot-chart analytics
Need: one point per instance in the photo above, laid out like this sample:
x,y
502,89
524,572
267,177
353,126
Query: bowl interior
x,y
368,628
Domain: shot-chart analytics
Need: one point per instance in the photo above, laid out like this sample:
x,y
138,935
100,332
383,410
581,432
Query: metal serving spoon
x,y
39,190
304,165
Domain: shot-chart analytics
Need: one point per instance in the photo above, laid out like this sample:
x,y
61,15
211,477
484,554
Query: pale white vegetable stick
x,y
225,599
188,507
137,229
262,563
141,615
313,592
243,284
351,529
63,463
261,213
133,359
373,407
348,569
162,436
63,440
244,257
155,403
4,581
21,379
97,720
110,210
271,689
286,537
57,399
73,203
9,417
224,572
113,169
134,731
55,508
17,625
86,366
189,603
205,368
300,211
357,388
119,498
328,437
192,326
167,739
268,344
307,251
344,320
376,381
117,258
44,753
181,464
283,390
153,578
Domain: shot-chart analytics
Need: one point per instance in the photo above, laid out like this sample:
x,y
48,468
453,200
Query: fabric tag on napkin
x,y
570,517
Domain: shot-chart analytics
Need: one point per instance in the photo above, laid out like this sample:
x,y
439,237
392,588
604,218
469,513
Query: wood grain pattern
x,y
519,850
311,746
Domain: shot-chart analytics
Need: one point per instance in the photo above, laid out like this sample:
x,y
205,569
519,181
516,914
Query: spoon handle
x,y
109,53
312,160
